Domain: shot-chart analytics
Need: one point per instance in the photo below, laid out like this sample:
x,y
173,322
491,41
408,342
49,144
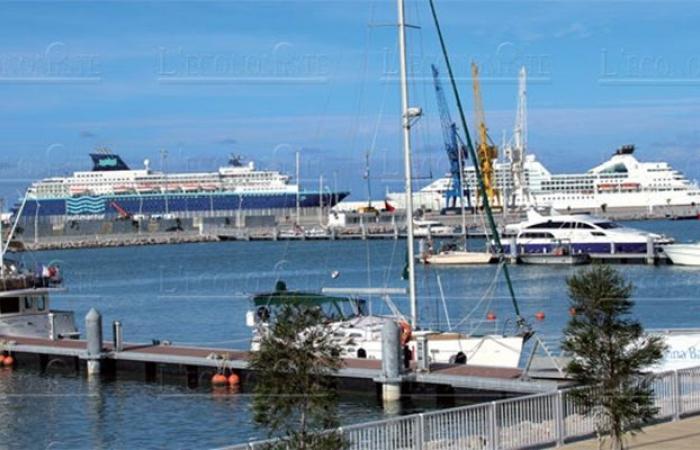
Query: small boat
x,y
426,228
77,191
210,187
358,332
695,216
24,304
451,254
190,187
122,189
683,254
145,188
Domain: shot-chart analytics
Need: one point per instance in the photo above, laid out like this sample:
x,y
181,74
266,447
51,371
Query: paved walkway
x,y
681,435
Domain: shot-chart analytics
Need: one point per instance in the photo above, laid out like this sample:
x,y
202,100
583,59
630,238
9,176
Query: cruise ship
x,y
112,190
620,183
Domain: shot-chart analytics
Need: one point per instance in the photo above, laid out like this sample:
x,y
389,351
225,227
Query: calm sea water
x,y
198,294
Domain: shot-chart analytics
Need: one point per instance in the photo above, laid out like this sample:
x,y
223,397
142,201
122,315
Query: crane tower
x,y
486,151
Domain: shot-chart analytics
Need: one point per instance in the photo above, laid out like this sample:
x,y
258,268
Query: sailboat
x,y
358,332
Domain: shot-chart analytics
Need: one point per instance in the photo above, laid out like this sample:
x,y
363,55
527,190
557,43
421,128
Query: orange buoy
x,y
491,316
234,380
219,379
572,311
539,315
8,361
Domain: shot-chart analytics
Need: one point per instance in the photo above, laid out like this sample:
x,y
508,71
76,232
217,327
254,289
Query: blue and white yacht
x,y
585,233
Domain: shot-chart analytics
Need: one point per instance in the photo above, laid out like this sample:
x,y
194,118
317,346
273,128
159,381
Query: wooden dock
x,y
195,366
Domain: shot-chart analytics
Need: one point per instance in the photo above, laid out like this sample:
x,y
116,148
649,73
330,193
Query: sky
x,y
266,79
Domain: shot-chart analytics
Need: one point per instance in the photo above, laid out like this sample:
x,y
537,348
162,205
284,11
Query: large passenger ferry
x,y
621,183
113,190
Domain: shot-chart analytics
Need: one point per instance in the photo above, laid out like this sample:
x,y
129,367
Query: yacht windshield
x,y
607,225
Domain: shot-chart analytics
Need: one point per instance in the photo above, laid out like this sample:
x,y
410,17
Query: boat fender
x,y
406,332
263,314
459,358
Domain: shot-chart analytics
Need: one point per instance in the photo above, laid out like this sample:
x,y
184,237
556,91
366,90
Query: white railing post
x,y
677,396
560,418
419,432
493,427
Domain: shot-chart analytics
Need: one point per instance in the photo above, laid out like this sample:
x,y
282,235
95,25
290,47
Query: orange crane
x,y
123,214
486,151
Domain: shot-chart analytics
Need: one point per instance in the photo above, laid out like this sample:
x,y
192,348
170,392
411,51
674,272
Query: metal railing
x,y
541,420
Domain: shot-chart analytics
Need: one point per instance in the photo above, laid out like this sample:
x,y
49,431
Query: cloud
x,y
227,141
87,134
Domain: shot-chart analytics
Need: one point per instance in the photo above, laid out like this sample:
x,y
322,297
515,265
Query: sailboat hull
x,y
457,258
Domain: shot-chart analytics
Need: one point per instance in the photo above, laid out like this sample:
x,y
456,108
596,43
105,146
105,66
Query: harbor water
x,y
197,294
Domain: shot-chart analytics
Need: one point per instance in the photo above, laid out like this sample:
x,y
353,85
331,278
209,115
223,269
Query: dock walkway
x,y
188,363
680,435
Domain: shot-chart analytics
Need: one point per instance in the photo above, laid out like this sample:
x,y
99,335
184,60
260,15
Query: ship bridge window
x,y
28,303
9,305
617,168
584,226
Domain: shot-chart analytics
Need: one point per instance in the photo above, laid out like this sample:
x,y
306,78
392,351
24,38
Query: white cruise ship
x,y
112,189
621,183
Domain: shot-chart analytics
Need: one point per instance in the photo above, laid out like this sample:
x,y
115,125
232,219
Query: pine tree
x,y
610,354
294,394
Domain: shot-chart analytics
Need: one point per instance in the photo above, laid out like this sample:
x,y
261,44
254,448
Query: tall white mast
x,y
520,141
406,115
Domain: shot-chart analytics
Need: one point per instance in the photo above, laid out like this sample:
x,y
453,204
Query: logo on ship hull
x,y
85,205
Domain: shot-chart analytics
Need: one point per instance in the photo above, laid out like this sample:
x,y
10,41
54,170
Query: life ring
x,y
406,332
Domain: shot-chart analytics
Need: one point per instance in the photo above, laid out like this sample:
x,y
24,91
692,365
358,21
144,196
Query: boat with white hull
x,y
584,233
24,304
428,228
359,334
683,254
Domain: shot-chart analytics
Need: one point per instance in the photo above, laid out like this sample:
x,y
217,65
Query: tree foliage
x,y
294,394
610,353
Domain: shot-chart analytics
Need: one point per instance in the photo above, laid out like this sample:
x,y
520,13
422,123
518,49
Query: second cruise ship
x,y
620,183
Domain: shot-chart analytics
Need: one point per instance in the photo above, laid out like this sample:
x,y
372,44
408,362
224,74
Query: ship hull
x,y
176,204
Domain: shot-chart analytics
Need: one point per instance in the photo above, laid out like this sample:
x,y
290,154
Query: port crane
x,y
486,151
518,149
455,150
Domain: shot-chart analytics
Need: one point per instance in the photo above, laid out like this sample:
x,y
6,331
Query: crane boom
x,y
486,151
455,153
